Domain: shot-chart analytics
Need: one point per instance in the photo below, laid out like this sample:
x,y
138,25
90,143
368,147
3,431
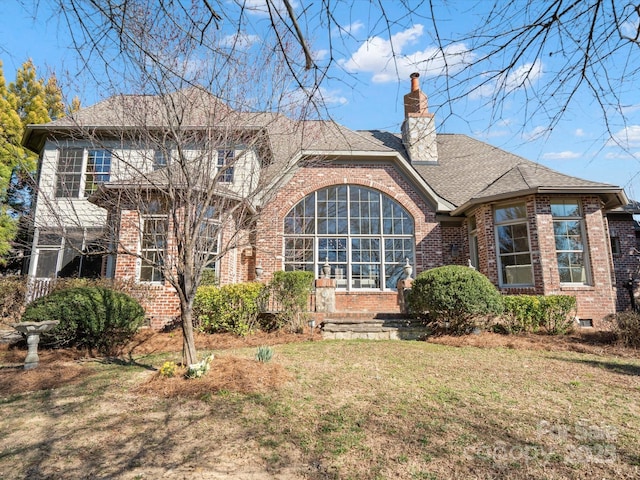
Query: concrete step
x,y
374,326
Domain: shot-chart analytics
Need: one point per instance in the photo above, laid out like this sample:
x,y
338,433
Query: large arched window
x,y
363,234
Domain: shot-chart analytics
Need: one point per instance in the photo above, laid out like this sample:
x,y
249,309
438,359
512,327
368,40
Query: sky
x,y
370,61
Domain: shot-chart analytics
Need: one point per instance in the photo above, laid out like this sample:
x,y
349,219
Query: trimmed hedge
x,y
454,298
553,314
95,318
230,308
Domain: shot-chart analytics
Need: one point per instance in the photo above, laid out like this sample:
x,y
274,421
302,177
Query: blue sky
x,y
367,84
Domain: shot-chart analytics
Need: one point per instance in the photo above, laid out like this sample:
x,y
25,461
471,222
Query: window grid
x,y
569,240
97,171
153,248
514,252
226,158
69,172
358,259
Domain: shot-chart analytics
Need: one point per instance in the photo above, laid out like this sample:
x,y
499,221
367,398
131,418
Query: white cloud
x,y
628,137
239,40
320,55
622,155
523,76
536,133
579,132
387,62
564,155
259,7
351,29
322,96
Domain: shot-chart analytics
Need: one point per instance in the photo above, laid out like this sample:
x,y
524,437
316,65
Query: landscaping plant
x,y
454,299
96,318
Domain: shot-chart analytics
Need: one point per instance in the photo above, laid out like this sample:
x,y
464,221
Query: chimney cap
x,y
414,75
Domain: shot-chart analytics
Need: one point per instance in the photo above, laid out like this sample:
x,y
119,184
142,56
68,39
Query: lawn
x,y
328,409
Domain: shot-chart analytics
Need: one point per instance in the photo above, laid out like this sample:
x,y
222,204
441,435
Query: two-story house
x,y
317,193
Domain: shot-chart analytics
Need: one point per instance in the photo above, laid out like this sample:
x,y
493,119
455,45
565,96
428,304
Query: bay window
x,y
568,230
514,252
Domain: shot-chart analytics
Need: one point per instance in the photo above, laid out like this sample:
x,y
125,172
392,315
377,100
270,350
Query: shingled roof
x,y
468,171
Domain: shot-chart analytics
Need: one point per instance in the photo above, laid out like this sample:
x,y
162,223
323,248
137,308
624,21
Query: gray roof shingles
x,y
467,169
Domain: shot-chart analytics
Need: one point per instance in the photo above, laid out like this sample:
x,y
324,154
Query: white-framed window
x,y
474,259
226,159
209,243
81,171
153,248
568,230
161,158
513,247
363,234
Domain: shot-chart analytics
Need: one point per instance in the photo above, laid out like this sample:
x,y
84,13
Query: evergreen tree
x,y
28,100
10,154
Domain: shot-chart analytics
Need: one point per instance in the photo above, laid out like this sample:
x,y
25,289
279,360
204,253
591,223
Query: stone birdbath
x,y
33,330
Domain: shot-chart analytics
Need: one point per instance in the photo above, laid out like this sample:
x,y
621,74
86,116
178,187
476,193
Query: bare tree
x,y
189,158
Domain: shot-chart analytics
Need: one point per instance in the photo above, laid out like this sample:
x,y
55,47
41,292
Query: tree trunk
x,y
189,354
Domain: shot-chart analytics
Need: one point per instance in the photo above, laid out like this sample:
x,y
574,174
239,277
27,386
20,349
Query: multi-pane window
x,y
364,235
568,230
225,165
153,247
512,237
160,158
208,245
97,171
81,171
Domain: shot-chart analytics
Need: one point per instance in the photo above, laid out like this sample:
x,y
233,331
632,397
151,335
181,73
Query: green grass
x,y
354,409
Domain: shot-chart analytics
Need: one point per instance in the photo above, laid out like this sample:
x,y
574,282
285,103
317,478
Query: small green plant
x,y
168,369
453,298
198,370
264,354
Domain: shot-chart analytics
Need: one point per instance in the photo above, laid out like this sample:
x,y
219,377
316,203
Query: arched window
x,y
363,234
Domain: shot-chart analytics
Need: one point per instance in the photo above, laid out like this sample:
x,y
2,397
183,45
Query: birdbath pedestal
x,y
33,330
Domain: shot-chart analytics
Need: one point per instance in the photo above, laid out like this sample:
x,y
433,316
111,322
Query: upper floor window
x,y
514,252
226,159
160,158
81,171
568,230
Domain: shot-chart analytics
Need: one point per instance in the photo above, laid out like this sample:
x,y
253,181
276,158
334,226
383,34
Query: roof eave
x,y
440,203
612,196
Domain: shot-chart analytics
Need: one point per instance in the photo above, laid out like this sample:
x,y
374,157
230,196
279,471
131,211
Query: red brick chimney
x,y
418,128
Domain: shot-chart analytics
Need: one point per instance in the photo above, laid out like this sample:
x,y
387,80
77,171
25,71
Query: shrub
x,y
291,291
95,318
627,328
522,313
230,308
531,313
453,298
558,312
13,291
264,354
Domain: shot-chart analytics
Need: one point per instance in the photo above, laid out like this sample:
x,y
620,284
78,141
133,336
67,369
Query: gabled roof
x,y
468,171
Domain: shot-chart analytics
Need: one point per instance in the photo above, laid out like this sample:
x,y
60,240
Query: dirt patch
x,y
227,374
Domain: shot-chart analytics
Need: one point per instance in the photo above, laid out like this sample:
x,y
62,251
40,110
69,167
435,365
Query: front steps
x,y
370,326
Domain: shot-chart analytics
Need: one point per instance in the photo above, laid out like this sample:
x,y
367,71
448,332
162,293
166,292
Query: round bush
x,y
95,318
453,298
